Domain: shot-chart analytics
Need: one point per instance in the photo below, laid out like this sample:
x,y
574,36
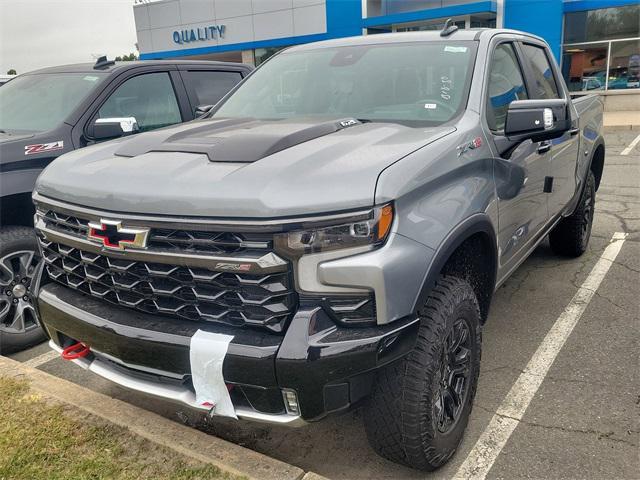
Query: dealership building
x,y
597,42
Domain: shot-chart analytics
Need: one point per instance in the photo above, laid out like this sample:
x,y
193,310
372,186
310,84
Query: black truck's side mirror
x,y
537,120
202,110
106,128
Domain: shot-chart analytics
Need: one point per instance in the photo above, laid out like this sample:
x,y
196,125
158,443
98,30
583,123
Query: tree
x,y
127,58
12,71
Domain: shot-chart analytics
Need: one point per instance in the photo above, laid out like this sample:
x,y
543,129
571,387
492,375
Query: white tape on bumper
x,y
207,352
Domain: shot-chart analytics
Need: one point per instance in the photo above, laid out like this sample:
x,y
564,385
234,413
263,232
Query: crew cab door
x,y
563,151
520,173
154,96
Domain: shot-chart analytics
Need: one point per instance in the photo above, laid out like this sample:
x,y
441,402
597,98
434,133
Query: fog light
x,y
291,401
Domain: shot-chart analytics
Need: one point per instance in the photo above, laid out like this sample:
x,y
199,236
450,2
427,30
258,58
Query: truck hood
x,y
238,168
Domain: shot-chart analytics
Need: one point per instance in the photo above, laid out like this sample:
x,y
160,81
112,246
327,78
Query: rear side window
x,y
149,98
506,84
208,87
545,84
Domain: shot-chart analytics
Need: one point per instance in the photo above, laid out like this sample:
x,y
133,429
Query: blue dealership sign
x,y
199,34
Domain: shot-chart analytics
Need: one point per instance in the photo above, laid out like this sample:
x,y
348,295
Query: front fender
x,y
476,224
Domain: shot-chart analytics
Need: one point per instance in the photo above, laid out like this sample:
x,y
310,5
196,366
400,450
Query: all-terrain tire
x,y
16,239
401,416
570,237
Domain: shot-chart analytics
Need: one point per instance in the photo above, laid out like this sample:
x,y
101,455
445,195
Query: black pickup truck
x,y
49,112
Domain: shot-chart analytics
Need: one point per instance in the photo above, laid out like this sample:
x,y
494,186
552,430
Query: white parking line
x,y
41,359
631,146
495,436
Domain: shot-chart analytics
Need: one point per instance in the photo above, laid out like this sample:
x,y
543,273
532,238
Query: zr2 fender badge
x,y
43,147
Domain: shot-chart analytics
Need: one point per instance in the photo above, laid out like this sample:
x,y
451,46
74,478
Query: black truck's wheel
x,y
420,406
18,261
571,236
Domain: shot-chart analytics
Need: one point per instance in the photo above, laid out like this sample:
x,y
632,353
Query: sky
x,y
44,33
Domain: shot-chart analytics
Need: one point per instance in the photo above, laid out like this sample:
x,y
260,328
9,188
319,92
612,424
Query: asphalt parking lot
x,y
583,419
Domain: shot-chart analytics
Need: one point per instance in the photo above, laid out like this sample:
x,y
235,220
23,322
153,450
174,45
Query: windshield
x,y
40,102
410,83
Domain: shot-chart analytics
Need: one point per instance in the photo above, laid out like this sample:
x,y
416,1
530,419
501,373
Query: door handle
x,y
574,131
544,147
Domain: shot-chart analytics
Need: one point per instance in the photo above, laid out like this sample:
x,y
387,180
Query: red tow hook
x,y
75,351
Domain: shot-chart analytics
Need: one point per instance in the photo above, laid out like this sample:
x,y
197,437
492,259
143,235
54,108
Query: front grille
x,y
172,240
236,298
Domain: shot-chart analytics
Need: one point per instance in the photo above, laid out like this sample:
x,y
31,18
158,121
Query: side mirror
x,y
537,120
202,110
106,128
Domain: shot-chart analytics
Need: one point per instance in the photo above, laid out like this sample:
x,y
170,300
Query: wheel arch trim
x,y
477,223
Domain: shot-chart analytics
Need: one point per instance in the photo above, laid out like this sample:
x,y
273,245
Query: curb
x,y
620,128
187,441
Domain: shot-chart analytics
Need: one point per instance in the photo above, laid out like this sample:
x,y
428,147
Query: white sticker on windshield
x,y
90,78
430,106
451,49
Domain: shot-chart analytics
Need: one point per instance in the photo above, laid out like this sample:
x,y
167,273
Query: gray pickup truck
x,y
330,235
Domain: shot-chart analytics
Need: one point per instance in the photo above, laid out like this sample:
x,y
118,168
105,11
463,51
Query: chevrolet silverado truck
x,y
331,234
52,111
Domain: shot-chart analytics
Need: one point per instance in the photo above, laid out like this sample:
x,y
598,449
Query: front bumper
x,y
328,366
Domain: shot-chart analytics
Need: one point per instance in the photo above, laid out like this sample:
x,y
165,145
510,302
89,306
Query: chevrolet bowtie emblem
x,y
112,235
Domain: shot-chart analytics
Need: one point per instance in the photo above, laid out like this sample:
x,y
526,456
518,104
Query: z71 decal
x,y
43,147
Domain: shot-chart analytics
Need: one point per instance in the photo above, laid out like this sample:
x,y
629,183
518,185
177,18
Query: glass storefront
x,y
481,20
260,55
602,49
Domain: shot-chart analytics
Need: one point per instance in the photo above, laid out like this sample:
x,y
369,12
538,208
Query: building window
x,y
261,55
428,26
624,65
602,49
602,24
585,66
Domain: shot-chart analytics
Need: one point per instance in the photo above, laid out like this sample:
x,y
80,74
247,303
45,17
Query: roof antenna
x,y
102,62
448,29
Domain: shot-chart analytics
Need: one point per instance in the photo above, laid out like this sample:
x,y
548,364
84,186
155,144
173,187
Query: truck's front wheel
x,y
19,258
421,404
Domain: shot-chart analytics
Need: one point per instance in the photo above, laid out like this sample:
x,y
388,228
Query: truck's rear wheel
x,y
571,236
19,258
420,406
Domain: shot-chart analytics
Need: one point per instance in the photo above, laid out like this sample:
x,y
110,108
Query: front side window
x,y
208,87
40,102
409,83
505,84
149,98
545,84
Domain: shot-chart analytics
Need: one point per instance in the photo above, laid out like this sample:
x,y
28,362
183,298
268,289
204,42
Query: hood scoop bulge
x,y
236,140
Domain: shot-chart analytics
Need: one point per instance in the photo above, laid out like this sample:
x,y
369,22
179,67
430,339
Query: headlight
x,y
371,231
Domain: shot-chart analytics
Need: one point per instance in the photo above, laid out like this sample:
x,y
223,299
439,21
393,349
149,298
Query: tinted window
x,y
385,82
545,85
602,24
207,88
40,102
149,98
506,84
